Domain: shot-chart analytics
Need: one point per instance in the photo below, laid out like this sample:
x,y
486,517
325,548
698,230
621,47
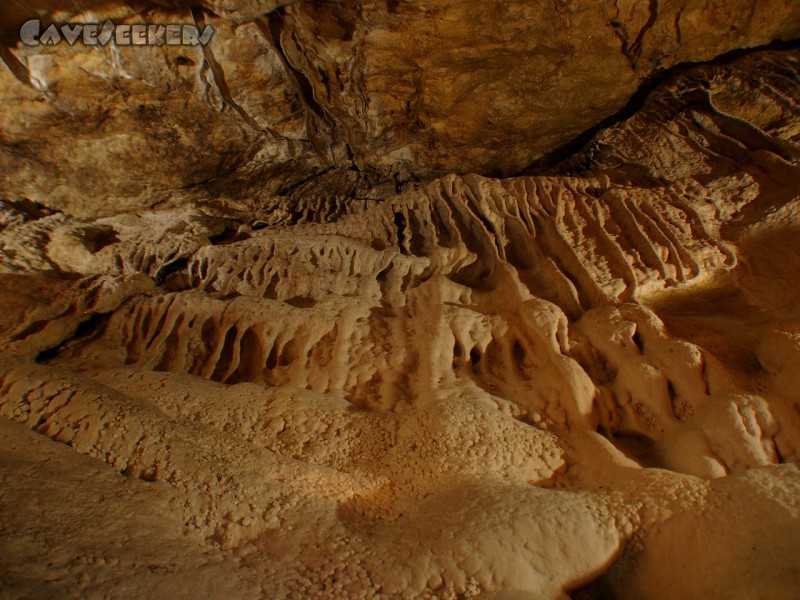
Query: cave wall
x,y
347,98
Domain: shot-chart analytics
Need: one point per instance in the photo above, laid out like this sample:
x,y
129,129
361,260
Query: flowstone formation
x,y
359,370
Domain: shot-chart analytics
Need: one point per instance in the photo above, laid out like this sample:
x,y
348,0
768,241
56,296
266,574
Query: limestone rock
x,y
376,94
570,384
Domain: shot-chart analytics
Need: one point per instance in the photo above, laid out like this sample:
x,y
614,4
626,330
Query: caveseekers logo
x,y
95,34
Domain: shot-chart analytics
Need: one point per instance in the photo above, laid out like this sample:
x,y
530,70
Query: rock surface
x,y
345,98
575,384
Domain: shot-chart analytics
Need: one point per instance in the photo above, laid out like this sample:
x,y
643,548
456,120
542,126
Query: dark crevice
x,y
678,31
779,457
306,301
31,210
518,352
636,48
544,164
226,355
417,242
272,27
601,588
287,190
171,268
272,358
218,74
673,399
474,356
383,275
30,330
400,224
87,331
636,338
101,239
229,235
